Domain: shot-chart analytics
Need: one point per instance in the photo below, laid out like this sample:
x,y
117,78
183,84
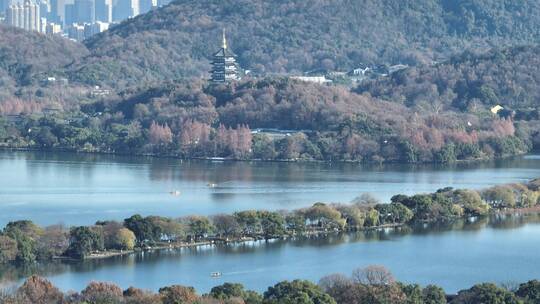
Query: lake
x,y
455,256
77,189
74,189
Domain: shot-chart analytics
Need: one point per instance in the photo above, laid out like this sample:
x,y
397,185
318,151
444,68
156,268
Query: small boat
x,y
175,193
217,159
216,274
212,185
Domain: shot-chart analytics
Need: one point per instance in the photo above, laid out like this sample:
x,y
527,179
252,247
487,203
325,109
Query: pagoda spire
x,y
224,40
224,67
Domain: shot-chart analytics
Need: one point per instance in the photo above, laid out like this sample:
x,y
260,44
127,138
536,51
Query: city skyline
x,y
75,19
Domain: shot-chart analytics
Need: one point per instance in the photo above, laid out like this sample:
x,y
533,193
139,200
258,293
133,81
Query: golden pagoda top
x,y
224,40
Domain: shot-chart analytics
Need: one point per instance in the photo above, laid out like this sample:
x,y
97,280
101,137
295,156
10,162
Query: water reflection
x,y
83,164
193,258
81,188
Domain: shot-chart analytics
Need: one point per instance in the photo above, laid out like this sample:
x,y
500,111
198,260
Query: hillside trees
x,y
468,83
297,36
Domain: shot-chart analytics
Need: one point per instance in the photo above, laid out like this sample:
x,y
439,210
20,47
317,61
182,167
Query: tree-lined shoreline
x,y
268,119
23,242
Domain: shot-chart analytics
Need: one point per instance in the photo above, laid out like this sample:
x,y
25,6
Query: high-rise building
x,y
26,16
12,15
58,11
76,32
135,8
44,9
125,9
104,10
69,15
224,67
53,29
161,3
146,5
84,11
95,28
4,4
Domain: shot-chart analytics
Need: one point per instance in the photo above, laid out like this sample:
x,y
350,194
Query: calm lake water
x,y
80,189
51,188
454,257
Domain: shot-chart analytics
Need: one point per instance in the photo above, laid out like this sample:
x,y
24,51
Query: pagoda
x,y
224,67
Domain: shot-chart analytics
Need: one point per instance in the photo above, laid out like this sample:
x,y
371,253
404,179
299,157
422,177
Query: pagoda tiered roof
x,y
224,64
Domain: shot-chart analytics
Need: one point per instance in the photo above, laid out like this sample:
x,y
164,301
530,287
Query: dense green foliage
x,y
23,242
529,291
230,291
486,293
373,285
297,291
83,240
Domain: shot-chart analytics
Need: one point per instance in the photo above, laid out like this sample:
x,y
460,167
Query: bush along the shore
x,y
24,242
372,284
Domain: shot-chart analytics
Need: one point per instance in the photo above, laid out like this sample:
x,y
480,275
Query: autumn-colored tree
x,y
292,146
133,292
222,140
324,216
194,134
373,275
503,127
37,290
177,294
134,295
500,197
354,215
54,241
101,292
234,142
340,287
226,225
125,239
160,134
110,231
242,149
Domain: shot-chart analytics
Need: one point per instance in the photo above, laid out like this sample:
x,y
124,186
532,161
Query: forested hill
x,y
317,122
472,83
296,36
25,54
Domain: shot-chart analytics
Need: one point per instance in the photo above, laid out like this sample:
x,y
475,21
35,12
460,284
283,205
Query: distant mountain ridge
x,y
274,37
296,36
